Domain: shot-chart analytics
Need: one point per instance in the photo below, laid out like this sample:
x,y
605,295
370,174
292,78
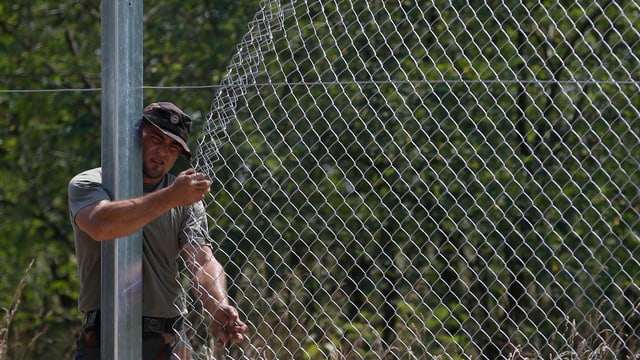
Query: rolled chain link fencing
x,y
428,180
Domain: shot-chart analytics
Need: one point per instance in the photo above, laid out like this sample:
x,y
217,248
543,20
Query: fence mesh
x,y
429,179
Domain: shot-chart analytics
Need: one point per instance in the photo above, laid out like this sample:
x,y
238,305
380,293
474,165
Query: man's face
x,y
159,153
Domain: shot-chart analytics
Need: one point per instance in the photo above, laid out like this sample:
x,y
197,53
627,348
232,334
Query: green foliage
x,y
45,138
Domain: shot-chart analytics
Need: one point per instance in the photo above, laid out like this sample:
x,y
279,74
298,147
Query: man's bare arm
x,y
106,220
210,287
208,277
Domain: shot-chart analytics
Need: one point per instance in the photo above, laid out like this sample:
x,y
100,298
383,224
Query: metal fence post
x,y
122,176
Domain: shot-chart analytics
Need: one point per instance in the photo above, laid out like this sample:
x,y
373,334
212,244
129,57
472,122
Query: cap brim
x,y
185,148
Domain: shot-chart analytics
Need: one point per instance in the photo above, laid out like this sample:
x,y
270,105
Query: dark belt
x,y
149,324
161,325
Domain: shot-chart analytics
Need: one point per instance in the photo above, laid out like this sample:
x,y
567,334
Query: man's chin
x,y
152,175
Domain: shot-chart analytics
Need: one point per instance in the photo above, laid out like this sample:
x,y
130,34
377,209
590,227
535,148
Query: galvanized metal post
x,y
121,308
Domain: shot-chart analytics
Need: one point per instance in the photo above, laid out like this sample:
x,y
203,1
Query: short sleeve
x,y
86,189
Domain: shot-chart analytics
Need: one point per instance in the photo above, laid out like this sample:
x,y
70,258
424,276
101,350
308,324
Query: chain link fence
x,y
429,179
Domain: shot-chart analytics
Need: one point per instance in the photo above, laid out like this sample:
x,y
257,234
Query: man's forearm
x,y
212,286
209,278
108,220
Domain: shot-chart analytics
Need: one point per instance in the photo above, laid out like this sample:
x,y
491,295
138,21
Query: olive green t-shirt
x,y
163,239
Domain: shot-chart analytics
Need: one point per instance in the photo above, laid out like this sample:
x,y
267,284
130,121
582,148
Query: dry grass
x,y
598,346
9,312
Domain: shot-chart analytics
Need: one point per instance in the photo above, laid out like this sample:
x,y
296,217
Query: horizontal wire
x,y
100,89
326,83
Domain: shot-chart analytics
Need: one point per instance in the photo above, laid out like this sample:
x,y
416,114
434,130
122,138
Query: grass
x,y
604,345
9,312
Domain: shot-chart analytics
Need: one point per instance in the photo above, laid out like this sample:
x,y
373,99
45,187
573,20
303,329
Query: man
x,y
173,222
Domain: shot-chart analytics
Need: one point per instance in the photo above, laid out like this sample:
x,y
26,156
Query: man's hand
x,y
227,326
189,187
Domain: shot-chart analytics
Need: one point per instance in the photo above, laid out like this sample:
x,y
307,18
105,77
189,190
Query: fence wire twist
x,y
413,180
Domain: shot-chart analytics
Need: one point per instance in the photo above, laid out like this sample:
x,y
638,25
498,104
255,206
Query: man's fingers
x,y
188,172
240,327
224,337
228,327
232,332
233,338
